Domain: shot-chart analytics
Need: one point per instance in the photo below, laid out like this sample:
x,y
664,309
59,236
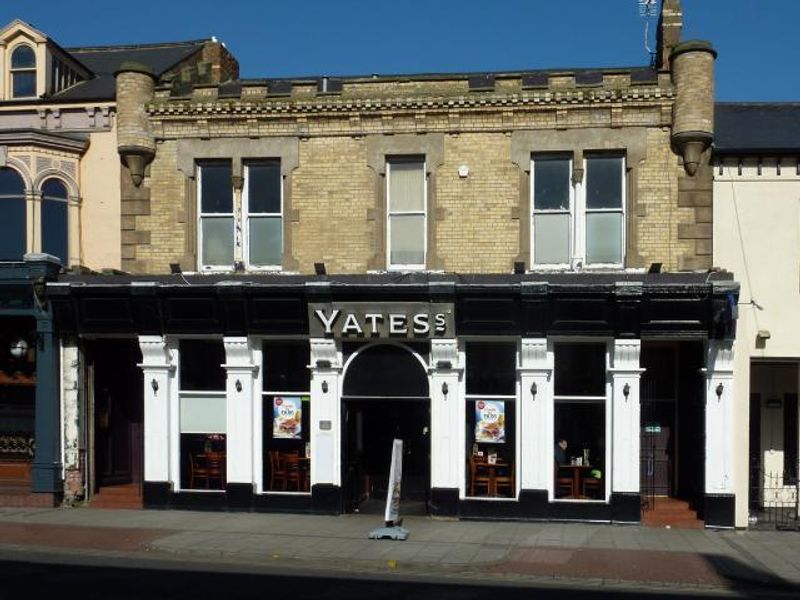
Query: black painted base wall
x,y
324,499
533,505
720,510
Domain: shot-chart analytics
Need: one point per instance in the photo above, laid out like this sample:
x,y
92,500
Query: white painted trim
x,y
390,213
246,215
199,225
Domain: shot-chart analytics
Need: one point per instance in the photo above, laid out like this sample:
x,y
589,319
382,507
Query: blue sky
x,y
755,38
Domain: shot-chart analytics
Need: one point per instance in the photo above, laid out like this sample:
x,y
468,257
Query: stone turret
x,y
692,65
135,144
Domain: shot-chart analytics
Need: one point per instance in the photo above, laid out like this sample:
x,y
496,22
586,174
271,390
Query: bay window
x,y
55,220
12,215
573,222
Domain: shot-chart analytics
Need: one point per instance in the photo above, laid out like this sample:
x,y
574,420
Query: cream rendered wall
x,y
757,237
100,202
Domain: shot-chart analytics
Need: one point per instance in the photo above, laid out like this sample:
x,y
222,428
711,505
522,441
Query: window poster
x,y
287,417
490,422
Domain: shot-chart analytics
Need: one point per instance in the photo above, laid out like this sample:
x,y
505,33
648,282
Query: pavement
x,y
727,562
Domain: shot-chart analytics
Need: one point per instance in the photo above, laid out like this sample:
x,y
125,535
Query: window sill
x,y
490,499
281,493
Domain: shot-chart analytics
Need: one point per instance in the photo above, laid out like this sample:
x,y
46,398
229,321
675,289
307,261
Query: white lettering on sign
x,y
441,323
374,324
328,323
373,319
397,324
421,324
351,325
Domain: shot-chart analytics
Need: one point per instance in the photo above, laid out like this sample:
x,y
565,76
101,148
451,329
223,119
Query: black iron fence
x,y
774,499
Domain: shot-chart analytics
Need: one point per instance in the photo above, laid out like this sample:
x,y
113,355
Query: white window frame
x,y
533,212
14,71
201,215
66,201
258,415
175,414
584,210
578,212
246,214
513,399
390,213
608,412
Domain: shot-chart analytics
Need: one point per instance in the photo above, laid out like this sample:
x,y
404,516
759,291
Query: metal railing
x,y
774,499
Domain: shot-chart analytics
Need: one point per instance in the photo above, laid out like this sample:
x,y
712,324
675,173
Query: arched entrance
x,y
385,396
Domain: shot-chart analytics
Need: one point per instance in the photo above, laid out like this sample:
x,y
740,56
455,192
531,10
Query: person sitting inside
x,y
561,452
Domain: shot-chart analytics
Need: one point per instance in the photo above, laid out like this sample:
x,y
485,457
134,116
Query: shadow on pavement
x,y
178,582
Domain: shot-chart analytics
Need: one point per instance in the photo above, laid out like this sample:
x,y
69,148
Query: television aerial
x,y
647,10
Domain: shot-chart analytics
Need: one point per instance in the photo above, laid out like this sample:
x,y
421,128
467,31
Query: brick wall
x,y
332,192
477,233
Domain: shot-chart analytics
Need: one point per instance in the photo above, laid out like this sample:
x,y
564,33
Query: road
x,y
107,577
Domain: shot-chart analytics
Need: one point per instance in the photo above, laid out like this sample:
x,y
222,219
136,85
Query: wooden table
x,y
576,480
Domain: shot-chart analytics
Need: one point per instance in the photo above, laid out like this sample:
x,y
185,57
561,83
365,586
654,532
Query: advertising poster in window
x,y
490,422
287,417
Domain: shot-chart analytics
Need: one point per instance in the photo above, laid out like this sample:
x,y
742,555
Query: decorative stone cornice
x,y
328,105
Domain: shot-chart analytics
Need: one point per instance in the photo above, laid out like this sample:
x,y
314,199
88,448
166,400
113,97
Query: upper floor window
x,y
574,222
262,205
12,215
257,227
23,72
55,219
406,215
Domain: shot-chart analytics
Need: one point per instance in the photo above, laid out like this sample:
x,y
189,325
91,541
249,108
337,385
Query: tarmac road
x,y
103,577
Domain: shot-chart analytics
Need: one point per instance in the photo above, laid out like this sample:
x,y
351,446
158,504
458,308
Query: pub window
x,y
286,416
491,377
55,220
579,455
406,215
263,209
216,227
12,215
202,419
23,72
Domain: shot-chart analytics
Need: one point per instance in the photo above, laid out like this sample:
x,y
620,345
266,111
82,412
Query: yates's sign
x,y
390,320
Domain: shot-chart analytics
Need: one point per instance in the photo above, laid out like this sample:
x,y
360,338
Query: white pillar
x,y
326,411
720,431
447,423
72,432
240,393
535,414
625,416
158,368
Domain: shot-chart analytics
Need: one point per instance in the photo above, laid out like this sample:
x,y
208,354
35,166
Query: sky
x,y
758,55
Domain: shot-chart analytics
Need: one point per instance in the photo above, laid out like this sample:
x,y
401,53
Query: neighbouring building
x,y
60,190
757,235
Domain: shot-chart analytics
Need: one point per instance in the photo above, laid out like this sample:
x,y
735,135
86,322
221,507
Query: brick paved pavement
x,y
594,554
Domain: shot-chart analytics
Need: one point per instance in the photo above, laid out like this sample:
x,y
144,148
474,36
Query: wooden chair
x,y
479,477
294,476
277,471
207,468
197,470
504,480
563,484
592,484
